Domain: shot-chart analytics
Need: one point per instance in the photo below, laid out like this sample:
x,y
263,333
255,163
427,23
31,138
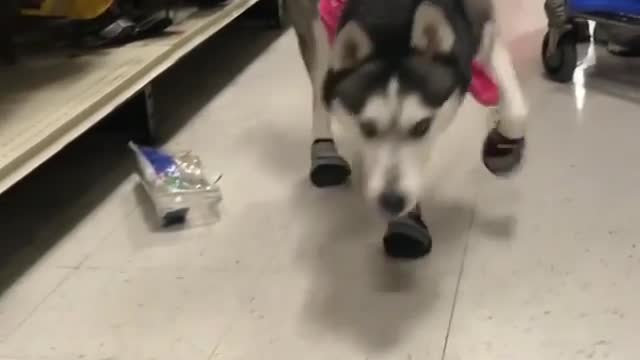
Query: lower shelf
x,y
46,102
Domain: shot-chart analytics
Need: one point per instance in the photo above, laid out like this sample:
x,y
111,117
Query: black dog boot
x,y
501,155
407,237
328,168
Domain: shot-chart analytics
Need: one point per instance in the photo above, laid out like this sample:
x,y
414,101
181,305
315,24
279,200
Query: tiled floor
x,y
541,266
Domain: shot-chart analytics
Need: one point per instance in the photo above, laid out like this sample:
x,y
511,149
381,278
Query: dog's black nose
x,y
392,202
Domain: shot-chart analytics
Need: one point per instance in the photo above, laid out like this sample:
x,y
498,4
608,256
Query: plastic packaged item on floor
x,y
181,192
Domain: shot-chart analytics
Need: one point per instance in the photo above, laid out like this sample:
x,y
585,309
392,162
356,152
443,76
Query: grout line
x,y
71,270
455,302
459,280
134,207
104,238
39,304
213,353
239,314
262,271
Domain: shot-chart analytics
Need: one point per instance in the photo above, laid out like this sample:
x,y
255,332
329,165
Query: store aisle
x,y
540,266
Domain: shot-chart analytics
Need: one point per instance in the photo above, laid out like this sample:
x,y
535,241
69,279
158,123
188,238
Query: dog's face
x,y
395,105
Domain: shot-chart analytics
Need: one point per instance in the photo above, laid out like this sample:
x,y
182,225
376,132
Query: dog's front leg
x,y
504,147
328,167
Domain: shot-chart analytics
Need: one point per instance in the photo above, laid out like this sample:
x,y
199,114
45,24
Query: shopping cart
x,y
568,25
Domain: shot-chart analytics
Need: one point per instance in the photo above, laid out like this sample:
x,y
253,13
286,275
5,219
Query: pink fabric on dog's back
x,y
330,13
482,86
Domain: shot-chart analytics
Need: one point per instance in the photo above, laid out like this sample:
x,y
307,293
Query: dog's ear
x,y
352,46
432,33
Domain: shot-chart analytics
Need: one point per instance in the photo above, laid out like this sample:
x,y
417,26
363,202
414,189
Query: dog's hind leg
x,y
504,146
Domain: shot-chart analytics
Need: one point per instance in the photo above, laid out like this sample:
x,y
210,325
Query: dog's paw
x,y
502,156
328,168
407,238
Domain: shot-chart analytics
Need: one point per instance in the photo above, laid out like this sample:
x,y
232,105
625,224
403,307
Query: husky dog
x,y
395,72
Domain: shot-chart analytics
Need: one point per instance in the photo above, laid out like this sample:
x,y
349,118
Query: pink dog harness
x,y
482,86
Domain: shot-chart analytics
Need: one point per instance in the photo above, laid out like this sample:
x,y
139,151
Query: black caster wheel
x,y
600,35
581,28
562,62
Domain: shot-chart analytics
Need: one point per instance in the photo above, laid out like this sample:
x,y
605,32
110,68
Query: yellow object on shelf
x,y
72,9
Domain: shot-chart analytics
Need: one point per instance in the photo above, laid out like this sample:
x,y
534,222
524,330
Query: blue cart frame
x,y
568,26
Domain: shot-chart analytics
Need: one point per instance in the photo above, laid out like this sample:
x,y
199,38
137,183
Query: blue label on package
x,y
162,163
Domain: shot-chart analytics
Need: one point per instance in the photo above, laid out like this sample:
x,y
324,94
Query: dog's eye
x,y
369,129
420,129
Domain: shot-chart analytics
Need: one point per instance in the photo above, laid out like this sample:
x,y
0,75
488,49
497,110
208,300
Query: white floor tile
x,y
62,213
84,237
539,266
142,314
377,310
556,283
24,295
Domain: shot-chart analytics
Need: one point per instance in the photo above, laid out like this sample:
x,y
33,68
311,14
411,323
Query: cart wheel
x,y
561,63
583,34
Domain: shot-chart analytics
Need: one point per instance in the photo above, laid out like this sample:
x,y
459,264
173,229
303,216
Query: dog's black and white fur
x,y
396,75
